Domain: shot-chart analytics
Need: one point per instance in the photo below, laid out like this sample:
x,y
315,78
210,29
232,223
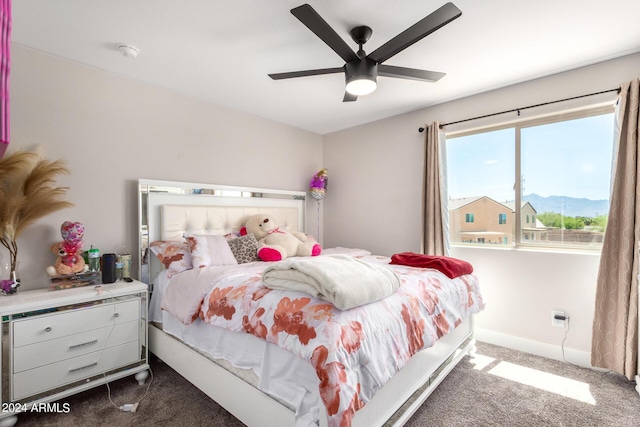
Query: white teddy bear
x,y
276,243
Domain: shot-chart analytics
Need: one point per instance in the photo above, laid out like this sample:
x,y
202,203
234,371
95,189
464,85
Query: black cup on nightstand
x,y
108,268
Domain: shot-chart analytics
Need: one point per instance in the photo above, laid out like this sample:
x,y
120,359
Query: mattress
x,y
303,351
283,376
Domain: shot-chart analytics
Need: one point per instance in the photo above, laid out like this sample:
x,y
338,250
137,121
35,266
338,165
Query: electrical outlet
x,y
557,322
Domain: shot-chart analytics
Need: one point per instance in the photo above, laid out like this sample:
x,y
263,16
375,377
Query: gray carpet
x,y
472,395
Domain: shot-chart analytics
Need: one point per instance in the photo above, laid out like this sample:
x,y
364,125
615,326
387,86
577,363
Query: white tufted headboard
x,y
178,219
168,209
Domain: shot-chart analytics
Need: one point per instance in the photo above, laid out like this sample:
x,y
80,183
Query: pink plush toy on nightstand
x,y
69,251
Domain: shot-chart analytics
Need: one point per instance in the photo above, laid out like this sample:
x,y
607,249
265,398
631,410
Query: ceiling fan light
x,y
361,85
361,76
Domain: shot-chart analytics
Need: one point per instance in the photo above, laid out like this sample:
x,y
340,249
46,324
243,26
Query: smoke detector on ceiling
x,y
128,50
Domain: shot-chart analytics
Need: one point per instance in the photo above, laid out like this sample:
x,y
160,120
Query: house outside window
x,y
558,168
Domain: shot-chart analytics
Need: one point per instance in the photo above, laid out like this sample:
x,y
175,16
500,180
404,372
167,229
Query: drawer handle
x,y
73,347
47,329
71,371
116,314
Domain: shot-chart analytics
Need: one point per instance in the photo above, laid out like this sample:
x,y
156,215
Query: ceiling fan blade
x,y
309,17
305,73
348,97
416,32
409,73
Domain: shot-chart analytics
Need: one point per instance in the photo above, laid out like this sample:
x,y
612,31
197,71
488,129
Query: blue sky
x,y
571,158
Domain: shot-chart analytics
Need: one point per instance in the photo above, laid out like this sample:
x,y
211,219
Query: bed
x,y
273,372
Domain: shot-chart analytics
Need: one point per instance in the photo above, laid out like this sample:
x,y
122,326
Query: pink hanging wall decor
x,y
5,65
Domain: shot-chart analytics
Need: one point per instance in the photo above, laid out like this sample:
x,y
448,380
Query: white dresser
x,y
57,343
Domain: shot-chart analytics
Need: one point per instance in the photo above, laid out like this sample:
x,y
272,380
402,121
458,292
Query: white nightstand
x,y
58,343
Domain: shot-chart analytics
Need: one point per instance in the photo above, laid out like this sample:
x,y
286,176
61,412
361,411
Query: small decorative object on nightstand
x,y
55,344
8,282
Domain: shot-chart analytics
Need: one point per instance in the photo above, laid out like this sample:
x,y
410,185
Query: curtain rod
x,y
525,108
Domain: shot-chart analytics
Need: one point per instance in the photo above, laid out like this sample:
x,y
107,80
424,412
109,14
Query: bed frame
x,y
167,209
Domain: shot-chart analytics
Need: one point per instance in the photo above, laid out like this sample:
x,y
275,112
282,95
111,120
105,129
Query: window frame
x,y
518,125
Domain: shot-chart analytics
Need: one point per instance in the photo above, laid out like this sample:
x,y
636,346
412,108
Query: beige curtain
x,y
615,326
435,213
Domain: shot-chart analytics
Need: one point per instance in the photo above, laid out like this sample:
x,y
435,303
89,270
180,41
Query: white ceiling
x,y
221,51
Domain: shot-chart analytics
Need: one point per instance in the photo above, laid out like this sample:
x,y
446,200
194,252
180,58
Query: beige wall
x,y
375,203
112,131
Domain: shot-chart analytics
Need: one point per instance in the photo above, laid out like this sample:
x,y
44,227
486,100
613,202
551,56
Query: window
x,y
558,168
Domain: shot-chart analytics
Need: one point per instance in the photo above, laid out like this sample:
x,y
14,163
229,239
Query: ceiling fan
x,y
361,70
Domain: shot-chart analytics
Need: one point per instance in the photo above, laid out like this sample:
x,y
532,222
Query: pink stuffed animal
x,y
69,251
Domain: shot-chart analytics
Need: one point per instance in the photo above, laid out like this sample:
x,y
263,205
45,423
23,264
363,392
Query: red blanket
x,y
451,267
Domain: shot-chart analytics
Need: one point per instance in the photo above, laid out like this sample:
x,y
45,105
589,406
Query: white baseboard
x,y
550,351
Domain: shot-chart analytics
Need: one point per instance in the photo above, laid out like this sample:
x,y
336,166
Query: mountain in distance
x,y
568,206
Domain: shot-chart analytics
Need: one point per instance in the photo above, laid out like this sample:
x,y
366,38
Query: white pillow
x,y
209,250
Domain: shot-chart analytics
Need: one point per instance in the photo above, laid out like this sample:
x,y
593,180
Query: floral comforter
x,y
354,352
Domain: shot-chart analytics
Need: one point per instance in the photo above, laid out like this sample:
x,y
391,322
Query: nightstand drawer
x,y
51,351
57,325
47,377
